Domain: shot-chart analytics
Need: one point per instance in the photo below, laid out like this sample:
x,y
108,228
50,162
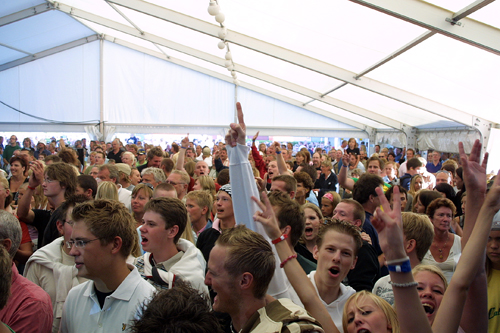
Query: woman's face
x,y
262,147
139,200
92,159
420,207
430,290
326,207
301,191
197,185
418,184
26,143
464,201
17,169
352,144
299,159
391,158
366,316
135,177
442,218
312,224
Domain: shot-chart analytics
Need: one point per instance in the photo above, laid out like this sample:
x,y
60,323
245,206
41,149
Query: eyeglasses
x,y
48,180
174,183
79,243
149,185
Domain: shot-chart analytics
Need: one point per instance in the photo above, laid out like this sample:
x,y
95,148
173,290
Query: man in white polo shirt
x,y
102,239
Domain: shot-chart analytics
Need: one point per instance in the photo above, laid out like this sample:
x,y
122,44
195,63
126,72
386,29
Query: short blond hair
x,y
418,227
202,199
107,190
433,269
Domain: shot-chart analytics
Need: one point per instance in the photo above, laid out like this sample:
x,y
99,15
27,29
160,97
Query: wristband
x,y
404,267
344,166
293,256
279,239
184,147
404,285
31,188
278,152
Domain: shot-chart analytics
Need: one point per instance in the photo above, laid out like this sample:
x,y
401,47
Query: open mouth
x,y
334,271
364,330
144,241
308,230
428,308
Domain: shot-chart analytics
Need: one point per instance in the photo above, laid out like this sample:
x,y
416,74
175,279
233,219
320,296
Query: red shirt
x,y
29,308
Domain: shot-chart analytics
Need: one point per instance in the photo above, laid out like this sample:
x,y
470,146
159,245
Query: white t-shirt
x,y
336,307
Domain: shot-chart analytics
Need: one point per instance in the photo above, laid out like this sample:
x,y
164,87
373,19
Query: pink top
x,y
29,308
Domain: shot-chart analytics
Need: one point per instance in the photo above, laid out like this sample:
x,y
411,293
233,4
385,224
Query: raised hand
x,y
267,216
185,141
256,136
474,172
345,159
277,146
389,225
37,175
237,133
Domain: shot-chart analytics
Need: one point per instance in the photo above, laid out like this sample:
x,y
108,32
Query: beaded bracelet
x,y
404,285
279,239
293,256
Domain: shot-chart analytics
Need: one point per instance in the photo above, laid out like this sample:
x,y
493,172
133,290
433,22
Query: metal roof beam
x,y
25,13
230,80
239,68
300,60
396,53
442,21
48,52
15,49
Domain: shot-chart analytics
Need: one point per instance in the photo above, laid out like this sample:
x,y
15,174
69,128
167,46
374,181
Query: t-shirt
x,y
384,290
494,301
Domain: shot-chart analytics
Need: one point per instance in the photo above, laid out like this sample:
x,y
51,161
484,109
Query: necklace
x,y
444,247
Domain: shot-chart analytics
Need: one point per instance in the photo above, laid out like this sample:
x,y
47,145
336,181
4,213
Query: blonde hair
x,y
202,199
207,184
433,269
107,190
387,309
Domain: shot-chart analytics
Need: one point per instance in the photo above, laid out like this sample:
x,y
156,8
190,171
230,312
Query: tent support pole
x,y
235,100
101,88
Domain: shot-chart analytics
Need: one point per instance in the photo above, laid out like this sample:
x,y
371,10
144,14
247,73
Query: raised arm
x,y
388,223
279,158
474,314
345,182
259,161
296,275
182,154
24,213
454,297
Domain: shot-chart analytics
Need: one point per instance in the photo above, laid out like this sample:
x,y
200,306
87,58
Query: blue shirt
x,y
434,168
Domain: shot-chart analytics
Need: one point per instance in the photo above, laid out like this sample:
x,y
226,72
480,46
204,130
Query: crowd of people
x,y
115,237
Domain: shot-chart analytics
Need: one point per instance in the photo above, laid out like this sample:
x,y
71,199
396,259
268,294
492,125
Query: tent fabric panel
x,y
61,87
450,72
9,94
10,7
446,140
143,89
8,55
261,110
42,32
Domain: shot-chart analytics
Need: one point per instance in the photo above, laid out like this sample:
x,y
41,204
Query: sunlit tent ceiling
x,y
425,74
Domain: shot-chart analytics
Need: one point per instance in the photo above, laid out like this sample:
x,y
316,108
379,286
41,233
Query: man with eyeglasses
x,y
102,238
58,181
180,180
52,268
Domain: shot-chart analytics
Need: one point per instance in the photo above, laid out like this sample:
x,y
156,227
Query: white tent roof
x,y
373,66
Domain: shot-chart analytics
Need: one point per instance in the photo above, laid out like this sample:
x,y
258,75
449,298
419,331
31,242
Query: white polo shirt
x,y
82,312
